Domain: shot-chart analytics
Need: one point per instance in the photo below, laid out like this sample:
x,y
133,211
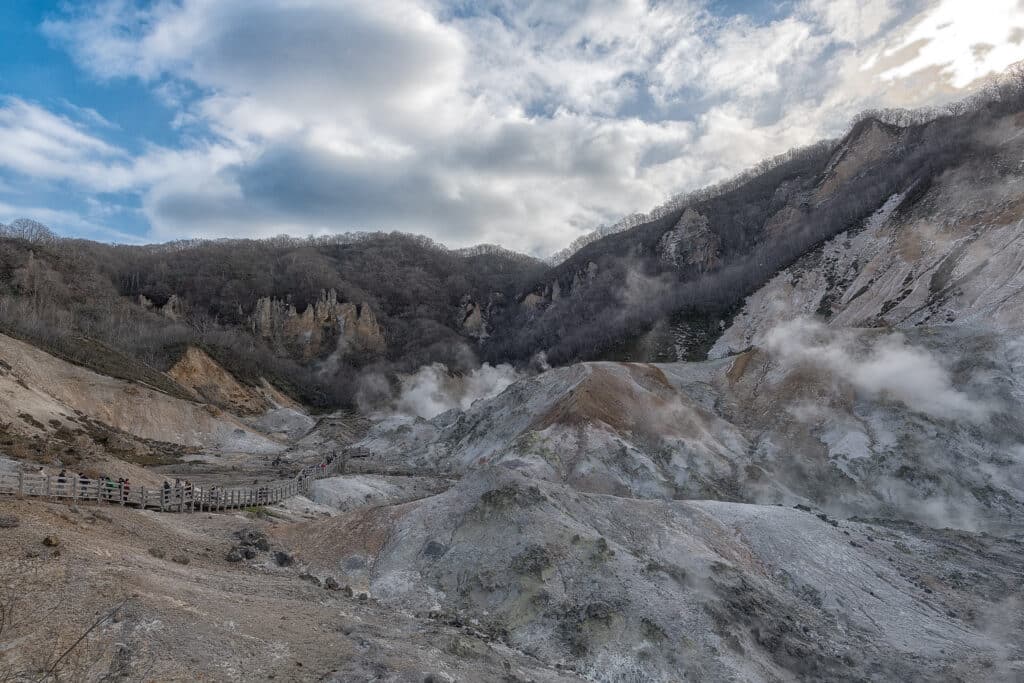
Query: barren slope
x,y
45,388
625,589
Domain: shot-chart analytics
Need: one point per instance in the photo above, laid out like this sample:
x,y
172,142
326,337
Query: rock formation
x,y
691,243
474,322
544,295
174,308
321,326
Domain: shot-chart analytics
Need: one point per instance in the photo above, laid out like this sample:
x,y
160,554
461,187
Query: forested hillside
x,y
119,309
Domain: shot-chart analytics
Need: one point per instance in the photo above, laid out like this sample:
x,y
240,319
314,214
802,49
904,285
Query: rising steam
x,y
889,368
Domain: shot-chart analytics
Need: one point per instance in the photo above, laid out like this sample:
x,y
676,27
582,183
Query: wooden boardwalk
x,y
174,499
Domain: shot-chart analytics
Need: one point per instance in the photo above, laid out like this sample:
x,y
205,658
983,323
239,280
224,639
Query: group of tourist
x,y
69,484
106,487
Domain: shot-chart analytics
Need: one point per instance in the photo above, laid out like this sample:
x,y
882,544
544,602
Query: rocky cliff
x,y
554,290
691,244
474,321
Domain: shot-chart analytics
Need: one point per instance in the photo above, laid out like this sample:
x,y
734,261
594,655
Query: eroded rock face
x,y
691,243
195,370
322,325
871,143
583,277
544,295
175,307
474,323
362,327
533,300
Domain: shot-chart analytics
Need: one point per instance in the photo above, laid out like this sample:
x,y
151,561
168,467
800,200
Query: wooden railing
x,y
173,499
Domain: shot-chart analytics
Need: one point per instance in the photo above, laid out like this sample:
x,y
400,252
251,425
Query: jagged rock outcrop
x,y
474,322
534,300
544,295
691,243
870,143
361,327
174,308
324,324
581,277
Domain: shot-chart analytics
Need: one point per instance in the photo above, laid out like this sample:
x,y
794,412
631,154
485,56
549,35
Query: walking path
x,y
174,499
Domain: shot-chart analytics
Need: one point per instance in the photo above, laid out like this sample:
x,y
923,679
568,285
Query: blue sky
x,y
35,69
519,122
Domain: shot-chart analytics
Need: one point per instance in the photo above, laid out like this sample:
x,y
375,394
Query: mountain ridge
x,y
664,289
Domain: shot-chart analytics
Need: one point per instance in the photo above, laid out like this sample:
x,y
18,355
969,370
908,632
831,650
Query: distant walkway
x,y
184,498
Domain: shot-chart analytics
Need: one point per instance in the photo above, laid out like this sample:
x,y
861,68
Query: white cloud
x,y
66,223
853,22
510,121
965,39
41,144
749,61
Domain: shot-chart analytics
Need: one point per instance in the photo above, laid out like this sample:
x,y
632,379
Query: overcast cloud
x,y
508,121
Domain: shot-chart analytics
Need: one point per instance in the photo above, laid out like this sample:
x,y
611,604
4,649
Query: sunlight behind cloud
x,y
965,39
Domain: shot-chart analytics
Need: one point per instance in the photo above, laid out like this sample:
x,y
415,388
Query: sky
x,y
524,123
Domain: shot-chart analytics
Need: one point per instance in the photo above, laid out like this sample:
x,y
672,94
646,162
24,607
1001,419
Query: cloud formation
x,y
506,121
